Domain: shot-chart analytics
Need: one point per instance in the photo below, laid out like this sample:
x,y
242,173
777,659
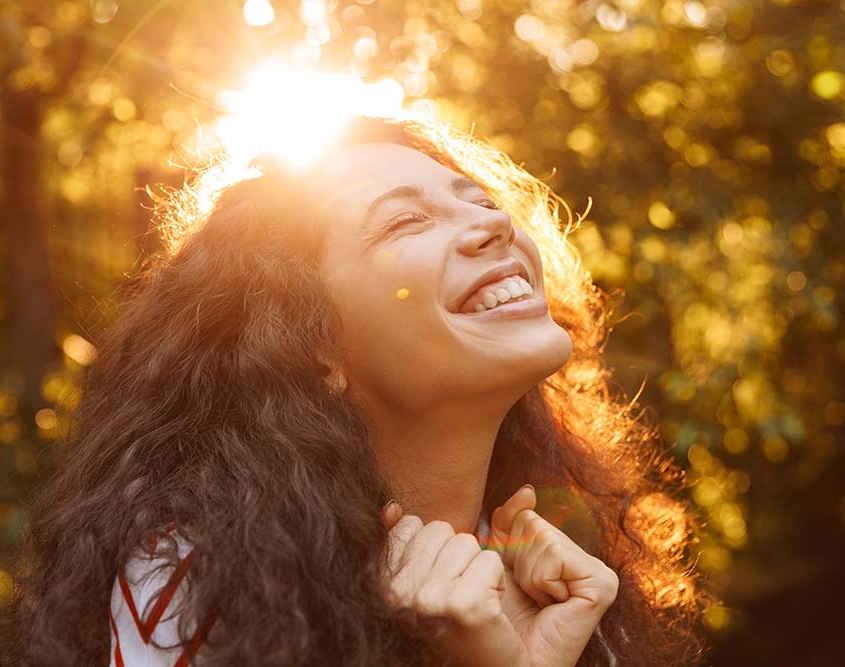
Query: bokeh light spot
x,y
582,139
258,12
661,216
79,349
7,587
584,51
529,28
103,11
123,109
775,449
780,62
611,18
827,84
39,37
735,441
403,293
45,419
834,413
796,281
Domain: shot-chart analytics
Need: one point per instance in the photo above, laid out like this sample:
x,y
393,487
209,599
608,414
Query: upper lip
x,y
514,268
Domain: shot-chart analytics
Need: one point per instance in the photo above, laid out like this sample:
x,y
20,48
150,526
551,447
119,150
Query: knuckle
x,y
466,542
470,608
611,580
608,585
427,602
399,593
491,559
441,527
538,526
408,526
413,520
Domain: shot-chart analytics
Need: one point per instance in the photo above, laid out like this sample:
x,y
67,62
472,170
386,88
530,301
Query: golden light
x,y
296,114
80,350
46,419
258,12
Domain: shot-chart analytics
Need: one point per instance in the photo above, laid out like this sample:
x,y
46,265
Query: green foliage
x,y
709,134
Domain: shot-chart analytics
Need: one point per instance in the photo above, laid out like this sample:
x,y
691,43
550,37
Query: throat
x,y
439,473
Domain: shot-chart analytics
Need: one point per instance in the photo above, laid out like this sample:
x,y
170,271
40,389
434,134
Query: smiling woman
x,y
356,414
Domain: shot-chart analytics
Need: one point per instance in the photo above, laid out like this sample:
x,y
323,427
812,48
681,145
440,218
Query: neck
x,y
438,463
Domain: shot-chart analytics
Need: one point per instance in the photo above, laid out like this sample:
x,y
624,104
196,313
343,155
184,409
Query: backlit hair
x,y
206,408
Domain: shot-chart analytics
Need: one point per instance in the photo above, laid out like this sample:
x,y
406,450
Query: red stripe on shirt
x,y
196,641
118,656
148,626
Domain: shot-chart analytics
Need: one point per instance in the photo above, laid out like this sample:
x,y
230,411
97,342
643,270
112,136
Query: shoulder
x,y
144,610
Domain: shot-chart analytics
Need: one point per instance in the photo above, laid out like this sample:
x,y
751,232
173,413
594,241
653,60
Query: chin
x,y
542,356
553,352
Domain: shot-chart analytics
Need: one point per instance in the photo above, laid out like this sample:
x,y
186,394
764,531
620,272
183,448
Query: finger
x,y
433,596
501,522
399,537
486,570
530,537
390,514
476,597
419,556
546,574
455,557
519,540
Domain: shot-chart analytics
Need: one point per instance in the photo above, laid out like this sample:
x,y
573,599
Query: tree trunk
x,y
22,207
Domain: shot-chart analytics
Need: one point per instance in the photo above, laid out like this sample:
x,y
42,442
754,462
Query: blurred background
x,y
709,134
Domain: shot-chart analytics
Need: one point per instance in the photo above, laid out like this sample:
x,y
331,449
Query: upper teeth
x,y
510,289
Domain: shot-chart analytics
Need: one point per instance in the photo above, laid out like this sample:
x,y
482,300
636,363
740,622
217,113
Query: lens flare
x,y
296,114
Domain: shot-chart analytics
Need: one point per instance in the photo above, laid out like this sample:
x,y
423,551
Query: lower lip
x,y
513,311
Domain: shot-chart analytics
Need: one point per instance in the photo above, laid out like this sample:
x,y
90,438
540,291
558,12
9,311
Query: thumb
x,y
503,517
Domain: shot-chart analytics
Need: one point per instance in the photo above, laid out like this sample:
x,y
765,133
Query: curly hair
x,y
206,408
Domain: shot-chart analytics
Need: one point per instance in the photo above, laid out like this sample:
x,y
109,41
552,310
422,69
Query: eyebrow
x,y
459,184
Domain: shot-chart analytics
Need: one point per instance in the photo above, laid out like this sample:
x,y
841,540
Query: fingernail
x,y
528,486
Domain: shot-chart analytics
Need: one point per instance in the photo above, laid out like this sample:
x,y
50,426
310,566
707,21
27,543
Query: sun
x,y
295,114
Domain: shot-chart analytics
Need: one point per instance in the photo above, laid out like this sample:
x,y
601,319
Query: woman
x,y
311,436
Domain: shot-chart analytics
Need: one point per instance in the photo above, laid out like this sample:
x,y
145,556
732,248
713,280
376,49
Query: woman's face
x,y
440,297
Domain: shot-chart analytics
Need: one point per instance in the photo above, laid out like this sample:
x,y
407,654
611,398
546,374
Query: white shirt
x,y
144,601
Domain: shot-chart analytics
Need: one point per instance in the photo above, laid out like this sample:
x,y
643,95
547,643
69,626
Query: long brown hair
x,y
206,408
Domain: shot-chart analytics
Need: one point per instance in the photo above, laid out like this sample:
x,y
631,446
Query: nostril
x,y
493,240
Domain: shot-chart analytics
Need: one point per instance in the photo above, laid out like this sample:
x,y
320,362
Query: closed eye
x,y
486,202
404,219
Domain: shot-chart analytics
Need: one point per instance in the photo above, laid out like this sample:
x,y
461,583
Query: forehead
x,y
359,173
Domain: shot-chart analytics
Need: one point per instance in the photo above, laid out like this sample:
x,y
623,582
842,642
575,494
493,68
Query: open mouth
x,y
509,289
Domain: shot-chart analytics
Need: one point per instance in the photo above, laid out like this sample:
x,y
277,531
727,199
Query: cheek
x,y
527,246
382,301
381,285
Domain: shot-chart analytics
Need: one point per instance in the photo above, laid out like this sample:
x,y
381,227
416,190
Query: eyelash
x,y
409,218
404,219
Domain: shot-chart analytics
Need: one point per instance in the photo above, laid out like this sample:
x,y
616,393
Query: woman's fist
x,y
562,590
440,574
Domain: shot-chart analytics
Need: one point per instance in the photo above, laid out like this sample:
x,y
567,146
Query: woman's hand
x,y
443,575
556,593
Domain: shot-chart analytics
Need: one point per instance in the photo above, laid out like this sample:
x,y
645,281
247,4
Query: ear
x,y
336,380
332,374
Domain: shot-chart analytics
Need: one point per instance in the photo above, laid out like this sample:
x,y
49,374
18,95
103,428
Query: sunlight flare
x,y
296,114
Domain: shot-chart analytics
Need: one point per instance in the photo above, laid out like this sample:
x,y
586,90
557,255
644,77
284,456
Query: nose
x,y
489,230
